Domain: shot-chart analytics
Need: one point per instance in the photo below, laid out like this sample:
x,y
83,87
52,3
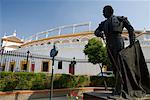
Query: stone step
x,y
107,95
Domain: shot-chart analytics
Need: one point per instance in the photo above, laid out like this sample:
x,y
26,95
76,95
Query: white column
x,y
7,64
59,31
36,36
46,34
89,26
73,30
18,64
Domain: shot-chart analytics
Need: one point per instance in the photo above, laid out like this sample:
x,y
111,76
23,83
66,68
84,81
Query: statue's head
x,y
107,11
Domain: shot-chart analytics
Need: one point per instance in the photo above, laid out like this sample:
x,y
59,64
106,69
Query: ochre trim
x,y
60,36
71,35
12,41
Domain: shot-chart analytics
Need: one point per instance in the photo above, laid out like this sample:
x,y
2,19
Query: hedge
x,y
10,81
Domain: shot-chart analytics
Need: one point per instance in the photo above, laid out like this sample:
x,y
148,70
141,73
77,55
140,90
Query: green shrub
x,y
65,81
25,81
99,81
4,74
9,83
83,80
110,81
38,81
47,81
23,84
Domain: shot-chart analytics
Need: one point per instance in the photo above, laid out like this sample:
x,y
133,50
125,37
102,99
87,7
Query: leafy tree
x,y
97,52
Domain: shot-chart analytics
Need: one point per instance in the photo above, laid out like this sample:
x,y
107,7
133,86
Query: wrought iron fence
x,y
10,60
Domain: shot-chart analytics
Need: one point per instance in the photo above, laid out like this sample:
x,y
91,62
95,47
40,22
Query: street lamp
x,y
1,53
27,58
73,62
53,53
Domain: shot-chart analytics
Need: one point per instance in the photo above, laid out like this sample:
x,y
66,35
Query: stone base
x,y
107,95
98,95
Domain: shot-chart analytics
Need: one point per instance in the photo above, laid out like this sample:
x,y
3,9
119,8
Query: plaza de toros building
x,y
32,54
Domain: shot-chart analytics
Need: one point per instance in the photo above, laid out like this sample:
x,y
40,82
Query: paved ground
x,y
54,98
58,98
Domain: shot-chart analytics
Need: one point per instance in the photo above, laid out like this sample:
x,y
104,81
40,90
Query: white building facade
x,y
69,46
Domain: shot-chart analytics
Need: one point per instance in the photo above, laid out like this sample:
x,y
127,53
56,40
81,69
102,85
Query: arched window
x,y
84,39
56,42
65,41
42,43
48,42
75,40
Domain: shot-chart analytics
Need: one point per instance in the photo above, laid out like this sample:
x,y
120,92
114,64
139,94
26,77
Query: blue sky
x,y
31,16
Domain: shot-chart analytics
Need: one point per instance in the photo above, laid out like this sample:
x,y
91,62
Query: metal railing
x,y
6,57
59,30
15,56
9,54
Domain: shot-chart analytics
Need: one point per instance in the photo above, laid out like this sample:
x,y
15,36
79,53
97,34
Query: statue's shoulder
x,y
121,18
102,23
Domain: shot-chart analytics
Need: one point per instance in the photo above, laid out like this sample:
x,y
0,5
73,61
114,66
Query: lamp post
x,y
73,62
1,52
53,53
27,58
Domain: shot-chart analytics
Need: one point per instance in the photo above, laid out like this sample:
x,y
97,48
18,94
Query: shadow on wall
x,y
30,96
39,95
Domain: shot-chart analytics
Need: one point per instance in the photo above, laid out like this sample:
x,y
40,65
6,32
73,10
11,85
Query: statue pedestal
x,y
107,95
98,95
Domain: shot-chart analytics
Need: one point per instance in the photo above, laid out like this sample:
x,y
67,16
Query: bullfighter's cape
x,y
134,70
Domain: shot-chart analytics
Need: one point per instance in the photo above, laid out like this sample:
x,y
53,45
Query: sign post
x,y
53,53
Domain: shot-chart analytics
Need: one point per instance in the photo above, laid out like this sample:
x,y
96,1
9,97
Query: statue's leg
x,y
117,88
114,61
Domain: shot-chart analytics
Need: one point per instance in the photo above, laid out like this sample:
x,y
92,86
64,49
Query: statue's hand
x,y
99,34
